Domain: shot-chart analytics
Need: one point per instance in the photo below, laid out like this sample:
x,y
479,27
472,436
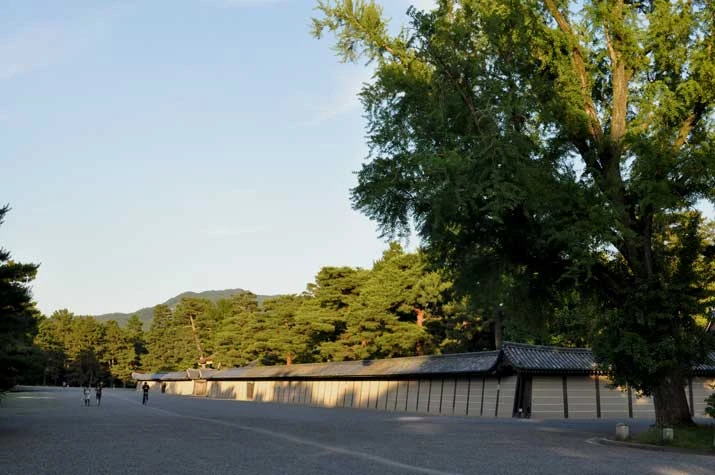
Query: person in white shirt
x,y
86,392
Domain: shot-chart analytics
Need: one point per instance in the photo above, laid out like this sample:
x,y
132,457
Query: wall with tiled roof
x,y
517,357
465,363
548,359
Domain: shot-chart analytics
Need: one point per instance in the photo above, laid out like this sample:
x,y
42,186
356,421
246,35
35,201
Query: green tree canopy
x,y
18,316
232,338
286,337
331,298
117,353
160,341
83,351
135,334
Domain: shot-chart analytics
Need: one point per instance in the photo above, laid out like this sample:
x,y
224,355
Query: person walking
x,y
98,394
145,393
86,392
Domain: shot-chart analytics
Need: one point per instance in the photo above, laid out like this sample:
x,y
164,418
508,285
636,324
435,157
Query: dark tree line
x,y
79,350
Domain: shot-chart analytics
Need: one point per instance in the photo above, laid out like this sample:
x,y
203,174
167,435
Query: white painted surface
x,y
507,394
614,401
435,396
702,388
547,399
476,395
462,394
581,392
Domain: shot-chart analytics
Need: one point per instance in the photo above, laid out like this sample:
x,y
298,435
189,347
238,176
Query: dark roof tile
x,y
173,376
706,368
206,372
538,358
472,363
522,357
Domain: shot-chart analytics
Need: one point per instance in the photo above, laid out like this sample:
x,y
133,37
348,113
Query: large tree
x,y
117,352
161,345
53,338
18,316
557,143
396,299
193,314
135,334
232,336
331,301
74,348
287,338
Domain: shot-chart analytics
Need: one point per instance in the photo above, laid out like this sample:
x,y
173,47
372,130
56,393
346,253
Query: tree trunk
x,y
420,317
289,359
498,328
196,337
671,405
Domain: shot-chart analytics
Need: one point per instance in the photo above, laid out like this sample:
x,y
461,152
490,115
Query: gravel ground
x,y
47,430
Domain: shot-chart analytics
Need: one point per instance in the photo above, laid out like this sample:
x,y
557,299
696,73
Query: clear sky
x,y
154,147
151,148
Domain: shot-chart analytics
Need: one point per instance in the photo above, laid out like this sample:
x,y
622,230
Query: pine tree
x,y
232,337
117,353
135,334
18,317
161,352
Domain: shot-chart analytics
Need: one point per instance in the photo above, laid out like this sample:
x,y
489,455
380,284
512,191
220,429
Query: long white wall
x,y
585,395
441,396
579,397
181,388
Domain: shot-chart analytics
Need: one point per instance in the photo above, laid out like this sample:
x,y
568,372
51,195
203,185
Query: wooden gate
x,y
200,387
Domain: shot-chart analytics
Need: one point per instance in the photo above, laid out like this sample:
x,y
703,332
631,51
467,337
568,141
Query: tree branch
x,y
595,129
465,97
688,125
619,85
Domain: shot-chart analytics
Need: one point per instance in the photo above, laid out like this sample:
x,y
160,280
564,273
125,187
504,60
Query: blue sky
x,y
155,147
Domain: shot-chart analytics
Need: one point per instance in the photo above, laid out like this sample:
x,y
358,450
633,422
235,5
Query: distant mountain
x,y
146,314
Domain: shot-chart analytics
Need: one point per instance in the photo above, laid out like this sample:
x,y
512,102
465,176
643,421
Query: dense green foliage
x,y
79,350
18,317
549,153
397,308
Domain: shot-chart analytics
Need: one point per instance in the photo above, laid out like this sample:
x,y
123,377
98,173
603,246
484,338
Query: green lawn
x,y
699,437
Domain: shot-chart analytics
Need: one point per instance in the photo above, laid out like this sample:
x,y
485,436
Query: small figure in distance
x,y
86,393
98,393
145,393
